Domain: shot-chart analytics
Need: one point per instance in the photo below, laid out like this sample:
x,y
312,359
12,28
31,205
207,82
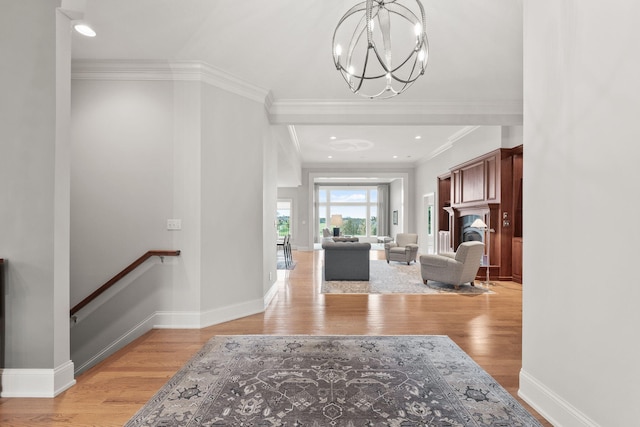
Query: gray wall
x,y
396,203
122,159
232,199
146,150
149,148
581,104
34,172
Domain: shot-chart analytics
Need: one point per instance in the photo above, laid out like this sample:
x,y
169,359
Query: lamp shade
x,y
336,220
478,223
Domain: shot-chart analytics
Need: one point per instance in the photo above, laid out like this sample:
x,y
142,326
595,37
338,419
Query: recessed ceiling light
x,y
329,157
395,157
418,137
85,30
332,137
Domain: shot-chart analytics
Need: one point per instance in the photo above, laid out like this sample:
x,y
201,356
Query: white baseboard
x,y
179,320
231,312
176,320
134,333
270,295
36,382
555,409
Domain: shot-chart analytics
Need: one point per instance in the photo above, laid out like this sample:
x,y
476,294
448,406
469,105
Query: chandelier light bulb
x,y
422,55
386,42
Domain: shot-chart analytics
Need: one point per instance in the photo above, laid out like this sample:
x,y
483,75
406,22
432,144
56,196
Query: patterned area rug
x,y
395,277
339,381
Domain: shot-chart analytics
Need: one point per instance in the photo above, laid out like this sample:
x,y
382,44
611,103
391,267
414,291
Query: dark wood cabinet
x,y
517,259
488,187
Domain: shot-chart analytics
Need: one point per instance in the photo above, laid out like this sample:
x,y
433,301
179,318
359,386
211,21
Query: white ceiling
x,y
284,46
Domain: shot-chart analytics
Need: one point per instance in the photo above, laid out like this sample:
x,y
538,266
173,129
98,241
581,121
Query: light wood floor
x,y
487,327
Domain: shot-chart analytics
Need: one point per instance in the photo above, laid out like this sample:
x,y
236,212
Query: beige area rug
x,y
396,278
332,381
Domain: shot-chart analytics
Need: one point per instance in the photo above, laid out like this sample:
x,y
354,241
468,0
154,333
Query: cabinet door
x,y
516,263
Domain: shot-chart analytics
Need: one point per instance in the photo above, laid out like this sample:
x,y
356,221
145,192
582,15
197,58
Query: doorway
x,y
427,226
284,215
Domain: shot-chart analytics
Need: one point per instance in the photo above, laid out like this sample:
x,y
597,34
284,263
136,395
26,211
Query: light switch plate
x,y
174,224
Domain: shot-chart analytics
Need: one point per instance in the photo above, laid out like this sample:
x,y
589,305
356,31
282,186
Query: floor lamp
x,y
479,223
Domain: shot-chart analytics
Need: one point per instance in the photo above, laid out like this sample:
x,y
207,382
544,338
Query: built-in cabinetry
x,y
488,187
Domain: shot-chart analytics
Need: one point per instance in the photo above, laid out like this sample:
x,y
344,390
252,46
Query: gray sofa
x,y
345,239
346,260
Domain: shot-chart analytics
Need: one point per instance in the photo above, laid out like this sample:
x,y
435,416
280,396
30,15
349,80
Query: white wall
x,y
396,203
149,149
581,86
232,202
132,169
289,163
122,177
34,210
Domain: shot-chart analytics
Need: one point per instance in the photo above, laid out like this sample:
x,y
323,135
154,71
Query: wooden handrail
x,y
119,276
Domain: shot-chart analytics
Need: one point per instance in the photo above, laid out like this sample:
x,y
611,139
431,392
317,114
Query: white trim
x,y
40,383
294,139
292,111
83,69
231,312
449,144
176,320
462,133
315,111
132,334
270,295
181,320
554,408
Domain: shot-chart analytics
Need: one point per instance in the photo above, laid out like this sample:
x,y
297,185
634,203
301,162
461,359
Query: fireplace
x,y
468,233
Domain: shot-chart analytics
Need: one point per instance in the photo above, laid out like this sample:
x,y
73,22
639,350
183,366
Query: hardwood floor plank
x,y
487,327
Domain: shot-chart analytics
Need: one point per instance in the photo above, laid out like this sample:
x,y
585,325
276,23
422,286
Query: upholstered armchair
x,y
404,249
454,270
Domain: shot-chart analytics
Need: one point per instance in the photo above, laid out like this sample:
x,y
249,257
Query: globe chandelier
x,y
372,62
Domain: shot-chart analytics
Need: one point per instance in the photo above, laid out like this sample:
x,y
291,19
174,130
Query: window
x,y
352,209
284,217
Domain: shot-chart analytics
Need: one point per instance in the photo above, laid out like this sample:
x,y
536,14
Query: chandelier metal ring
x,y
370,64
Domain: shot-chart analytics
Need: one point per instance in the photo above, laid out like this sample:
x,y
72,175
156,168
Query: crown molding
x,y
294,139
366,112
449,144
194,71
462,133
315,111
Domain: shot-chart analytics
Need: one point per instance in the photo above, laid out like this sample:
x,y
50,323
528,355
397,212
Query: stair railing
x,y
119,276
